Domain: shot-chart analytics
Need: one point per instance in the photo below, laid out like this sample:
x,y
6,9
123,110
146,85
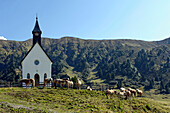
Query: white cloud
x,y
2,38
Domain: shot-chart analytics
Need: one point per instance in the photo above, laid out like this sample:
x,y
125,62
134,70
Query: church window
x,y
28,76
36,62
45,75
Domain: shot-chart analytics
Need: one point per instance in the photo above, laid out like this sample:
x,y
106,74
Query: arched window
x,y
45,75
28,76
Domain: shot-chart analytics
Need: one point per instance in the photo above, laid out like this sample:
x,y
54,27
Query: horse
x,y
110,92
140,92
124,94
47,81
69,83
133,91
61,82
28,81
122,89
78,83
128,93
89,88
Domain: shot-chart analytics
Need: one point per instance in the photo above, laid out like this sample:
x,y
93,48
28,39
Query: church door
x,y
37,78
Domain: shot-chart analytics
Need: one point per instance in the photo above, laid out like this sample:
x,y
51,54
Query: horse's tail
x,y
20,83
33,82
52,81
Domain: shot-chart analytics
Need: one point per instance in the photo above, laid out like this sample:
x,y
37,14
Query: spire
x,y
36,28
36,33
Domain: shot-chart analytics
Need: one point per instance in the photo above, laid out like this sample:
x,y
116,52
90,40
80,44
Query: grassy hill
x,y
71,100
127,63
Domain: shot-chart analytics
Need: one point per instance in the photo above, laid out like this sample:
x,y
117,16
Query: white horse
x,y
110,92
78,83
70,83
122,89
89,88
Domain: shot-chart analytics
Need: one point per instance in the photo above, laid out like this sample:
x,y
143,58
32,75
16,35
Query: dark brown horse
x,y
28,81
47,81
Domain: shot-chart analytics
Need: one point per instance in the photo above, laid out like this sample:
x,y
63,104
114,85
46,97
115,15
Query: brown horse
x,y
47,81
28,81
133,91
61,82
139,92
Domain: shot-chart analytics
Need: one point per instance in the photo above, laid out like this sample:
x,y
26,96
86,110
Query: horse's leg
x,y
61,85
48,85
32,84
67,85
107,96
79,87
55,85
44,84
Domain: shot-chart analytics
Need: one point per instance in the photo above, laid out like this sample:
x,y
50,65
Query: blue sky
x,y
147,20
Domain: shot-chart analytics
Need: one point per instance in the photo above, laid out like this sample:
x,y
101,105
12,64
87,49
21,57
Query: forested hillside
x,y
126,63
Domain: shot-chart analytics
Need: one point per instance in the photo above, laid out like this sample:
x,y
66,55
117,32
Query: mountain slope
x,y
119,62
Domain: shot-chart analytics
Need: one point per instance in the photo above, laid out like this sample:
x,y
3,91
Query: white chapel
x,y
36,64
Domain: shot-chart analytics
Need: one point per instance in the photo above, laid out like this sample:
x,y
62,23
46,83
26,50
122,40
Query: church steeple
x,y
36,33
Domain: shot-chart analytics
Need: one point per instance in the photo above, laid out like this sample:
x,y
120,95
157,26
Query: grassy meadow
x,y
71,100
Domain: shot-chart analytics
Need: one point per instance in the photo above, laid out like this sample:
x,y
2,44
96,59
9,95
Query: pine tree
x,y
162,86
167,88
119,85
100,72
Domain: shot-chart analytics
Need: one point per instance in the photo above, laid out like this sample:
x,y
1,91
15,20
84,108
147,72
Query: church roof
x,y
31,49
36,28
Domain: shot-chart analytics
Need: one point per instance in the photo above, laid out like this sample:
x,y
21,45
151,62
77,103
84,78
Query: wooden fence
x,y
41,85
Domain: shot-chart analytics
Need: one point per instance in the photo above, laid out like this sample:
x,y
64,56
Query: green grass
x,y
71,100
160,98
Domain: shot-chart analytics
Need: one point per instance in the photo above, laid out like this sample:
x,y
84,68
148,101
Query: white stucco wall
x,y
43,67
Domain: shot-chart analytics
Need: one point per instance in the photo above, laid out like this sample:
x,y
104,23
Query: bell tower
x,y
36,33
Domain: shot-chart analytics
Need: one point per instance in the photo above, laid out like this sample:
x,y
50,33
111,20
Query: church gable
x,y
36,52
